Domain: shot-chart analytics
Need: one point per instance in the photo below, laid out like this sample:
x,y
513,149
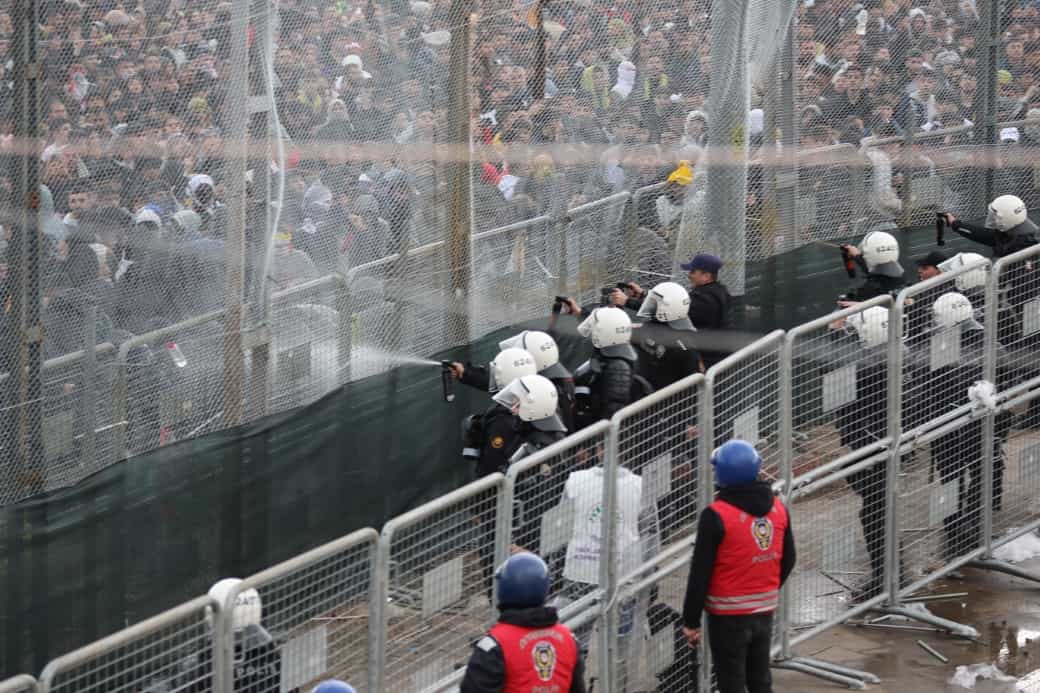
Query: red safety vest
x,y
538,660
746,576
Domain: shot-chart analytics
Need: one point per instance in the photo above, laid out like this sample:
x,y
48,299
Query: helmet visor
x,y
511,395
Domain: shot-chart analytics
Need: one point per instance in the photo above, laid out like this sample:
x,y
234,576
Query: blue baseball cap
x,y
704,262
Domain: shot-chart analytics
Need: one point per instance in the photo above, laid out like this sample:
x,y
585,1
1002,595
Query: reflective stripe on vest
x,y
746,576
536,659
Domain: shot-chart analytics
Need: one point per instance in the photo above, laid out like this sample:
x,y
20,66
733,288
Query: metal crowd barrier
x,y
884,461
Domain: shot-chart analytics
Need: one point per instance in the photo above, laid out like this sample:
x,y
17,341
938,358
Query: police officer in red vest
x,y
528,649
744,552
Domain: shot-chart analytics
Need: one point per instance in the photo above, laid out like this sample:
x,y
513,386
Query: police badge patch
x,y
762,531
544,655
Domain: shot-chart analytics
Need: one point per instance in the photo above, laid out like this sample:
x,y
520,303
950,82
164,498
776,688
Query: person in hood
x,y
744,552
528,648
337,127
204,202
877,256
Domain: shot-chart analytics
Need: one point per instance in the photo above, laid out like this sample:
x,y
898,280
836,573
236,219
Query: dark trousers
x,y
740,652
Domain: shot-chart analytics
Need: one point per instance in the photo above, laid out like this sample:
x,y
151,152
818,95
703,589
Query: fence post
x,y
786,471
608,630
120,410
87,403
344,328
705,492
988,40
377,613
894,409
989,374
223,648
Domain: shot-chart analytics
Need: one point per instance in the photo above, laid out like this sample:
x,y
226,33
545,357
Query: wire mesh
x,y
315,612
657,442
557,506
516,270
171,651
831,197
653,653
939,492
1018,329
840,521
746,401
839,389
439,600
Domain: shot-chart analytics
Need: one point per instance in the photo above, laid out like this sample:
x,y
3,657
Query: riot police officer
x,y
547,358
532,399
666,340
862,422
528,648
878,257
1007,228
605,383
491,438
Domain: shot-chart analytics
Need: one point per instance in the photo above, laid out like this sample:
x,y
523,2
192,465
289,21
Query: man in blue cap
x,y
744,553
709,299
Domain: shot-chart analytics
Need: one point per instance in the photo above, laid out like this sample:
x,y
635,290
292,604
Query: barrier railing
x,y
19,684
893,474
317,607
177,648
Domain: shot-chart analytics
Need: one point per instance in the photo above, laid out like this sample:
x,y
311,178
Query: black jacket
x,y
501,440
709,306
605,386
486,670
666,355
756,499
1003,244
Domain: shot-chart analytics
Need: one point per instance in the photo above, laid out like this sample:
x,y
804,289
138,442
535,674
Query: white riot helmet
x,y
668,303
509,365
610,330
879,248
533,398
951,309
972,279
1005,213
247,611
544,350
871,326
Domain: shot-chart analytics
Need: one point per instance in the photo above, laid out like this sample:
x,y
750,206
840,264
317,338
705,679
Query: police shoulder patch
x,y
487,643
498,442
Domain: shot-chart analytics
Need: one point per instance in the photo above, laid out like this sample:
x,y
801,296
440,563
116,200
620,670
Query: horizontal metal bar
x,y
826,469
813,325
567,444
863,608
596,204
773,338
1019,532
297,563
690,382
945,570
520,225
126,636
851,469
684,545
446,501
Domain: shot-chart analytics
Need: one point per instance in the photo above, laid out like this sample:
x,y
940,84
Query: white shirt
x,y
584,489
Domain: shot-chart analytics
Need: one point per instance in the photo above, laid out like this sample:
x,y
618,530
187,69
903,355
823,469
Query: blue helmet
x,y
522,582
333,686
736,463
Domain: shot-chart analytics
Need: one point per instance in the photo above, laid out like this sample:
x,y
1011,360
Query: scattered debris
x,y
934,652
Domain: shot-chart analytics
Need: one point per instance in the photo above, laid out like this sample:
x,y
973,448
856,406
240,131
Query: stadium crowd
x,y
135,105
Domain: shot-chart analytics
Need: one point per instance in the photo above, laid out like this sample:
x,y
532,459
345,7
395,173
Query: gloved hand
x,y
983,395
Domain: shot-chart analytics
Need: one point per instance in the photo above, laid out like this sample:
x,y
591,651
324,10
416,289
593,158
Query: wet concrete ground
x,y
1004,610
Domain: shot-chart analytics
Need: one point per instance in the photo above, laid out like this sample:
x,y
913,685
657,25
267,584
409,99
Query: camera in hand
x,y
560,305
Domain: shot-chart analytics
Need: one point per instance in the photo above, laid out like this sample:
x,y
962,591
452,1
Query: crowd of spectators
x,y
135,106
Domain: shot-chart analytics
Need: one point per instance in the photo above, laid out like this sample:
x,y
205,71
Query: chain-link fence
x,y
174,650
